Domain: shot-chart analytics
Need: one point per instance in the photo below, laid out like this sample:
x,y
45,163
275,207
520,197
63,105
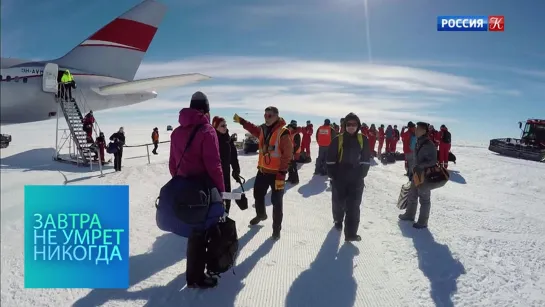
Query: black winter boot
x,y
206,283
338,226
355,238
257,219
276,235
420,225
404,217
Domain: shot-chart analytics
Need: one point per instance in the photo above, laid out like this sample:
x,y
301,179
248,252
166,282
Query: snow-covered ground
x,y
485,245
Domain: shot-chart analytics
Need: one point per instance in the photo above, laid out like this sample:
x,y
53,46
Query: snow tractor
x,y
531,145
5,139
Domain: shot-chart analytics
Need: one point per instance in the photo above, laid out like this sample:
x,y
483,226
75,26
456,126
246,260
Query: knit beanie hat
x,y
199,101
293,123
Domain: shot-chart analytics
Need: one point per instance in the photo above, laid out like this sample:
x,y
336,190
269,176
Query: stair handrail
x,y
85,106
94,129
70,127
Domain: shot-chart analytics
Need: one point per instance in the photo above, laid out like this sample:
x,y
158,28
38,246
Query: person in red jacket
x,y
365,129
406,136
434,136
307,136
88,122
373,139
336,128
381,138
444,146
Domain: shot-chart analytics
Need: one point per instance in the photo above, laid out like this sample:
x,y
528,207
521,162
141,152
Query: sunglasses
x,y
351,124
268,115
223,126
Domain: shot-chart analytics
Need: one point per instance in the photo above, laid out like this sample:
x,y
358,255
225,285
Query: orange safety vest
x,y
324,135
292,136
269,153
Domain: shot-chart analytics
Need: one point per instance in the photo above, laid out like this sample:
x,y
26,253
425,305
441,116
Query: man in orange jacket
x,y
324,135
275,154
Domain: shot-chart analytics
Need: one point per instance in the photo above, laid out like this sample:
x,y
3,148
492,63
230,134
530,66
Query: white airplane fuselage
x,y
23,100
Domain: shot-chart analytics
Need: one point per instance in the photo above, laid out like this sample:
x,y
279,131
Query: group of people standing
x,y
344,156
441,140
279,147
99,145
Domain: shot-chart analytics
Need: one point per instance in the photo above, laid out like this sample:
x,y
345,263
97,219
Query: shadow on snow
x,y
436,262
329,281
168,250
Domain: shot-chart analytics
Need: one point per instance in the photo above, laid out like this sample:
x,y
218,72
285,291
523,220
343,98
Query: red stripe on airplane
x,y
126,32
111,46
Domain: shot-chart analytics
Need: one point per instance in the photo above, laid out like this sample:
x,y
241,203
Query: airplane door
x,y
49,81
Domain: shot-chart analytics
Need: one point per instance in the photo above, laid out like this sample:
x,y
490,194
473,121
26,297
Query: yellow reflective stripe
x,y
340,150
276,152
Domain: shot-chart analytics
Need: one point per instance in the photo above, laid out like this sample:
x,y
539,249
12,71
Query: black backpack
x,y
446,137
222,247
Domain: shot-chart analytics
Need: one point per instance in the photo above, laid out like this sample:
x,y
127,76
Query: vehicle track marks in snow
x,y
484,246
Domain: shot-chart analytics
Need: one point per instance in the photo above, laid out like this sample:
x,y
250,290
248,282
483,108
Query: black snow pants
x,y
117,160
155,146
262,183
293,174
196,255
67,95
227,182
346,200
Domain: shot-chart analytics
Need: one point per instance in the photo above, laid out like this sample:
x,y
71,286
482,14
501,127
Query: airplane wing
x,y
150,84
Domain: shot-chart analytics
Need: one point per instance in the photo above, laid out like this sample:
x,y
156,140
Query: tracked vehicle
x,y
531,145
5,139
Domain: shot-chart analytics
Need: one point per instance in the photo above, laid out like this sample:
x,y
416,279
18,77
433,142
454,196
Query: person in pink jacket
x,y
202,159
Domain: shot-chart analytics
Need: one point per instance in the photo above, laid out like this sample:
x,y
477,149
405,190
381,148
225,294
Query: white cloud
x,y
377,92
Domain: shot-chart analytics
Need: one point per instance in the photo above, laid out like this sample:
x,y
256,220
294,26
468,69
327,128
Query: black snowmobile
x,y
531,145
251,144
5,139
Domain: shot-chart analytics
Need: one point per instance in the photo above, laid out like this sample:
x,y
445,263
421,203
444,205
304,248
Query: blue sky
x,y
320,58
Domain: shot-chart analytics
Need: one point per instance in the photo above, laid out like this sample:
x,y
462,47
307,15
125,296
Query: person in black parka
x,y
348,163
119,139
228,154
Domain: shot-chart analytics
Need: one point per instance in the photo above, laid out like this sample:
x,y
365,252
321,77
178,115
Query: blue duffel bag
x,y
200,210
112,148
188,204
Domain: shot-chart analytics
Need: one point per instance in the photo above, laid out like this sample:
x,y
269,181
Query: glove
x,y
238,119
236,175
280,181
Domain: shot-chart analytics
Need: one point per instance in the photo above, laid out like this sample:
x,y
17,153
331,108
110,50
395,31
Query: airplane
x,y
103,66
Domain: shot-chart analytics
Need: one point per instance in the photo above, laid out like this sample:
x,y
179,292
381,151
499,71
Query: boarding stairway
x,y
84,153
74,120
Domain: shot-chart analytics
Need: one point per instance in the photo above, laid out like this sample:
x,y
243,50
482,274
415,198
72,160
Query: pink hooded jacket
x,y
203,155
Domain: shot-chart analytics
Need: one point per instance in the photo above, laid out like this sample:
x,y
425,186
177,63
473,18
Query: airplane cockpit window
x,y
25,79
8,78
